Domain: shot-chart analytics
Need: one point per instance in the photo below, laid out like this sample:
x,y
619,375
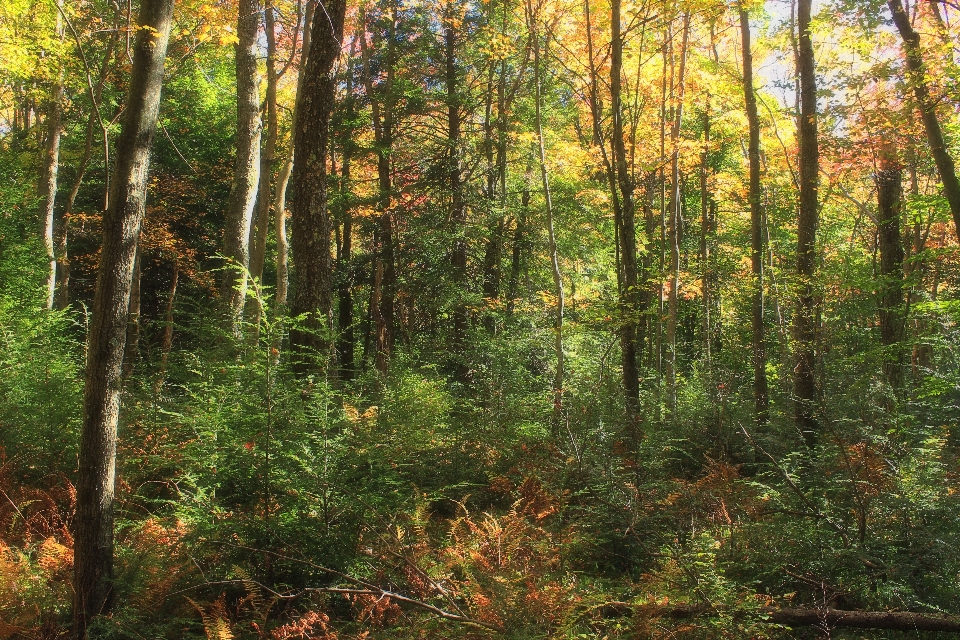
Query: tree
x,y
383,103
673,233
761,401
927,105
310,217
93,523
236,234
805,330
889,179
624,210
533,19
261,220
458,205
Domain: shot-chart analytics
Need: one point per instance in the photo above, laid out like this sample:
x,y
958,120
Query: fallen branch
x,y
367,588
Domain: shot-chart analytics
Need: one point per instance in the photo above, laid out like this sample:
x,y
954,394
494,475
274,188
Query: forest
x,y
479,319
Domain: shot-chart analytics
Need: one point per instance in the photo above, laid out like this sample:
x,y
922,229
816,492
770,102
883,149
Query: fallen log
x,y
892,620
823,618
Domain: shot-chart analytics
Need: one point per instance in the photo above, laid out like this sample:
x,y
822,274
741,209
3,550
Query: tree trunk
x,y
760,394
167,344
345,329
259,230
283,180
673,233
626,222
312,224
891,313
805,329
532,19
385,280
93,522
928,109
48,186
520,246
458,207
246,176
131,352
705,265
496,188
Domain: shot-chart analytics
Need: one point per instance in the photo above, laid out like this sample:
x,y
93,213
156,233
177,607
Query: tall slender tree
x,y
673,226
246,174
283,180
889,179
48,185
93,522
458,205
805,330
382,111
312,224
259,229
624,215
761,402
533,24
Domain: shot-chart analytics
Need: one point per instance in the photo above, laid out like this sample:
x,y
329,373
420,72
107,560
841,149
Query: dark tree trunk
x,y
283,180
246,176
458,207
520,242
805,322
889,184
345,329
626,221
673,231
385,279
760,394
93,522
312,225
928,109
705,230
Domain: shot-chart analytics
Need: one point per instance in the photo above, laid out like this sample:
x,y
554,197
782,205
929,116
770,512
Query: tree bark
x,y
673,232
283,180
167,344
260,229
928,109
246,176
805,330
385,279
48,186
889,180
532,19
624,218
458,206
345,329
706,274
760,392
131,351
312,224
93,522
